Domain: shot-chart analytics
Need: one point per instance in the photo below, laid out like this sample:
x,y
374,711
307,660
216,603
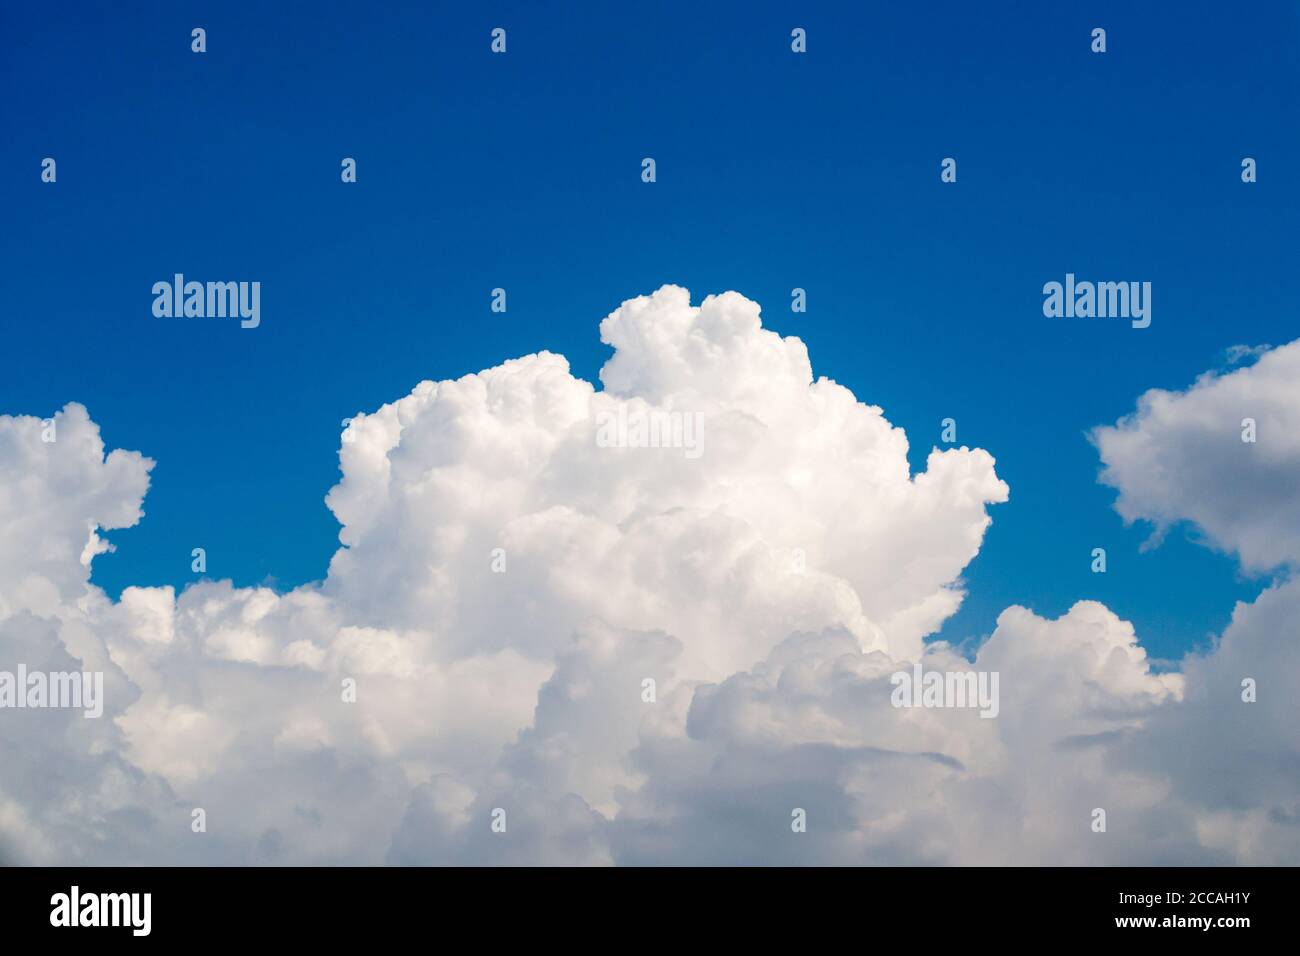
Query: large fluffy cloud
x,y
625,654
798,511
813,727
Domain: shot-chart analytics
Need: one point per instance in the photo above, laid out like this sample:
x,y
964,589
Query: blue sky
x,y
774,171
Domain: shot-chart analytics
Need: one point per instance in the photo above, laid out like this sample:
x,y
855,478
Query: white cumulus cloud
x,y
626,654
1181,456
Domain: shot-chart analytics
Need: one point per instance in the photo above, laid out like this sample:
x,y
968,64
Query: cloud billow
x,y
506,585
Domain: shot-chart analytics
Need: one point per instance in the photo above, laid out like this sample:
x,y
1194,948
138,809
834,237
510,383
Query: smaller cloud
x,y
1223,455
1237,354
